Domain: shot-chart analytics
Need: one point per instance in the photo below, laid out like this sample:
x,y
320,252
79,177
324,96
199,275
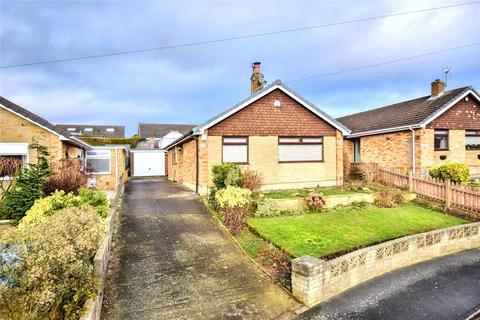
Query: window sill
x,y
100,173
239,163
303,161
441,150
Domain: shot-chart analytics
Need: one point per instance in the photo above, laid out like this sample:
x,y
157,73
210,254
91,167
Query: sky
x,y
192,84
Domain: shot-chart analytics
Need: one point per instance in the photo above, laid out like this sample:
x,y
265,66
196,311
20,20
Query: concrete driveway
x,y
171,260
442,289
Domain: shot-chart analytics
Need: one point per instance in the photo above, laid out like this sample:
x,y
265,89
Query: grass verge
x,y
333,233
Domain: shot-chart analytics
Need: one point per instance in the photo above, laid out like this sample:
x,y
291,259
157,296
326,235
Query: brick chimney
x,y
257,81
438,87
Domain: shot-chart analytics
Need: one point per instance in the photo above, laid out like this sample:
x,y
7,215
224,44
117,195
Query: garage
x,y
147,163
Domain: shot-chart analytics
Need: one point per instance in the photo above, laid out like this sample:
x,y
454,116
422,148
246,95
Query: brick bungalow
x,y
420,133
20,127
275,131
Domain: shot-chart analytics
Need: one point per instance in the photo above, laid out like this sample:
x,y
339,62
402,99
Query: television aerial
x,y
446,71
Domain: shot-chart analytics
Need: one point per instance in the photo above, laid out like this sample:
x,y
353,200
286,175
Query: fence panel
x,y
462,197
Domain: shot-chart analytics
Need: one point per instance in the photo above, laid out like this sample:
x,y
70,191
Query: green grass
x,y
302,193
250,242
334,232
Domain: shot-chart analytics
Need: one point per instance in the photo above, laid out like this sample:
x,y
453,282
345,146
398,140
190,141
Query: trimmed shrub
x,y
235,204
252,180
54,274
315,201
227,174
277,263
68,176
48,206
455,172
267,208
363,172
389,198
27,187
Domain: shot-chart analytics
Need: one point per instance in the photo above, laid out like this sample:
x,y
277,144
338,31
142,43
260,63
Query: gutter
x,y
196,166
386,130
414,155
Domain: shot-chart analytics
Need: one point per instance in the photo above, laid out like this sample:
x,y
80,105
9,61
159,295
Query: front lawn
x,y
335,232
302,193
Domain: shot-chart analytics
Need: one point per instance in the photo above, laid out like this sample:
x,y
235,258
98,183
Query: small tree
x,y
27,186
67,176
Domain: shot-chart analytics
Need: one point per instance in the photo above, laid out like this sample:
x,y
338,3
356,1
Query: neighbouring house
x,y
159,135
94,131
110,165
20,127
420,133
275,131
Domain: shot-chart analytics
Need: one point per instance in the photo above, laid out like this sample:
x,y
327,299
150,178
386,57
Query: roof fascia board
x,y
381,131
238,108
448,106
292,95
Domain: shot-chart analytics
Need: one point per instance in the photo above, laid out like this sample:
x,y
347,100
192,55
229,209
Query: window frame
x,y
447,135
100,157
174,156
476,133
247,143
301,142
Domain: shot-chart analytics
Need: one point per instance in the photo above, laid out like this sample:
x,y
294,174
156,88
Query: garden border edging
x,y
92,308
315,280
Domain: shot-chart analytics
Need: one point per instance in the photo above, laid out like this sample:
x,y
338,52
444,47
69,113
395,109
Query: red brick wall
x,y
261,118
464,115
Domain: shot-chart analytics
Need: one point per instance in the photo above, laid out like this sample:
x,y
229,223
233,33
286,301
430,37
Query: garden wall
x,y
330,201
93,307
315,280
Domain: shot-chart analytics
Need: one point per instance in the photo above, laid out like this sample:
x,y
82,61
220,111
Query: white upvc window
x,y
13,157
472,139
88,129
71,129
235,150
300,149
110,129
99,161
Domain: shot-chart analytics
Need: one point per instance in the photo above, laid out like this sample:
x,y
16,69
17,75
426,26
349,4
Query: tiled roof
x,y
159,130
407,113
96,130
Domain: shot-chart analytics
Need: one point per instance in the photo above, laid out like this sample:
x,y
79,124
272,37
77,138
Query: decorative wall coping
x,y
315,280
92,308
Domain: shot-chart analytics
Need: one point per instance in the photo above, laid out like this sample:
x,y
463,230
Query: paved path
x,y
445,288
170,260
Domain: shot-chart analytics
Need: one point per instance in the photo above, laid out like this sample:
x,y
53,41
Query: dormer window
x,y
71,129
88,129
110,129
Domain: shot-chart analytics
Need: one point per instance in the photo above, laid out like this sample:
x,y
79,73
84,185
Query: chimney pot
x,y
256,80
438,87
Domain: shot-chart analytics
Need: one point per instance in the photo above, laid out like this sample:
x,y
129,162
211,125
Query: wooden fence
x,y
453,195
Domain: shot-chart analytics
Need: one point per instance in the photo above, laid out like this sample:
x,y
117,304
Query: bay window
x,y
440,140
300,149
235,150
99,161
472,139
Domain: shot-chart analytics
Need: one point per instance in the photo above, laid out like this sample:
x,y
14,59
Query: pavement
x,y
446,288
171,260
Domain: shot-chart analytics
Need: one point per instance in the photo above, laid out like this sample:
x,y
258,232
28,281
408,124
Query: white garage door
x,y
148,163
